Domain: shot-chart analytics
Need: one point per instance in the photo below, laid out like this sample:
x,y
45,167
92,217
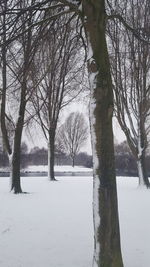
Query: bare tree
x,y
16,83
62,72
73,134
131,70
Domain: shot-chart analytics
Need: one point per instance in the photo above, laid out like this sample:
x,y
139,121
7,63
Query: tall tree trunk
x,y
51,155
14,153
107,251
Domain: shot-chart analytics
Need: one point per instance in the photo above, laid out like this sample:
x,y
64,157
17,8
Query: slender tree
x,y
73,134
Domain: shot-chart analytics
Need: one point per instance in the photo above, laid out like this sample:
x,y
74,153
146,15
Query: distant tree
x,y
3,159
122,148
35,150
125,162
73,134
38,156
24,148
83,159
59,152
24,155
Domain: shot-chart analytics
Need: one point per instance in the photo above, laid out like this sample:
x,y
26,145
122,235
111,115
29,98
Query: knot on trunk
x,y
92,66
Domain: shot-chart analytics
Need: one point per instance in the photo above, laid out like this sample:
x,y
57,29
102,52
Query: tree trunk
x,y
107,251
142,173
142,144
15,156
73,161
15,172
51,155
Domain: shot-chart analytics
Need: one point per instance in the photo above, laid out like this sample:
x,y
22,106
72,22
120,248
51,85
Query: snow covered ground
x,y
52,226
60,168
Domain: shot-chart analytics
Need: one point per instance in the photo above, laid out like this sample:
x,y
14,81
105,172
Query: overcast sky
x,y
36,137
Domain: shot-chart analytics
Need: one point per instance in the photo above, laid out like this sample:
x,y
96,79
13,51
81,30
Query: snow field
x,y
52,226
134,210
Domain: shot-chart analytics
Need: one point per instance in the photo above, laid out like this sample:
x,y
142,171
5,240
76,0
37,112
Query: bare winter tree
x,y
58,61
131,71
73,134
17,57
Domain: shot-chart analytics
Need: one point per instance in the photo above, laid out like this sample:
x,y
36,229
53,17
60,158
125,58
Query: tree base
x,y
53,180
18,192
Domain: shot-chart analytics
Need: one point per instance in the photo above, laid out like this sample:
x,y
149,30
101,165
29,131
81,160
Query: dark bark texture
x,y
108,230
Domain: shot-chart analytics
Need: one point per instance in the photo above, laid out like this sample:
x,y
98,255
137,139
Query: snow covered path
x,y
52,226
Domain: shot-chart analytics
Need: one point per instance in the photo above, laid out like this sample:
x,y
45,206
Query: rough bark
x,y
51,155
105,208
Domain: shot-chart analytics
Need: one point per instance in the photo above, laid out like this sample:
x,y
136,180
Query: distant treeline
x,y
39,156
125,163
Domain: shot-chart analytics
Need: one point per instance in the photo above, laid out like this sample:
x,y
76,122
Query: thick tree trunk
x,y
51,155
107,252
